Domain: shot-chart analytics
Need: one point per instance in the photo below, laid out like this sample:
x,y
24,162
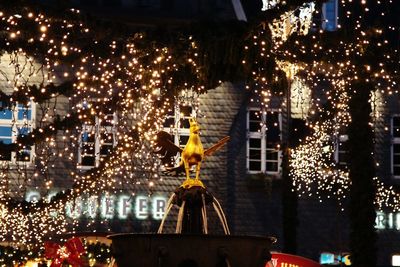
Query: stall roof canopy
x,y
159,11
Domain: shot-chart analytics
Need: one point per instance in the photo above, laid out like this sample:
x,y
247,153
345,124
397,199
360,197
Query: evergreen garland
x,y
14,256
11,256
39,135
37,93
99,251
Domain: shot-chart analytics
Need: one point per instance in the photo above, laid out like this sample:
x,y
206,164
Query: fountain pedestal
x,y
193,202
191,245
186,250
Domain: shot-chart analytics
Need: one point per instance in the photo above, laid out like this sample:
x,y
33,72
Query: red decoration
x,y
288,260
70,252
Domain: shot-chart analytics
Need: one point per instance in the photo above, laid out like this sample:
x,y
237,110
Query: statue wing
x,y
216,147
166,147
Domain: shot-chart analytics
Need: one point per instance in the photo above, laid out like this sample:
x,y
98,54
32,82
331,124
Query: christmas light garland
x,y
138,78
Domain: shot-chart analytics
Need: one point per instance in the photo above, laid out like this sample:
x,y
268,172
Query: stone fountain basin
x,y
188,250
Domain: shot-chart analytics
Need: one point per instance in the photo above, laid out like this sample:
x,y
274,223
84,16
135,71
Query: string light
x,y
332,67
137,79
130,80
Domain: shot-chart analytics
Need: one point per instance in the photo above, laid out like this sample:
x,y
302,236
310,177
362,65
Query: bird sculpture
x,y
192,154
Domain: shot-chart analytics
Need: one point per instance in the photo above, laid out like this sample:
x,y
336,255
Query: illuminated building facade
x,y
245,175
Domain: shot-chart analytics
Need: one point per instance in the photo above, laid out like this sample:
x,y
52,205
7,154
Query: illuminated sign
x,y
395,260
335,259
387,221
327,258
109,206
288,260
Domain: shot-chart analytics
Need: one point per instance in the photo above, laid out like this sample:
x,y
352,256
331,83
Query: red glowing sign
x,y
287,260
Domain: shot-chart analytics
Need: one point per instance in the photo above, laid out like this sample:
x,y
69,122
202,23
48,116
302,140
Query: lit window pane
x,y
6,114
15,129
5,131
24,114
23,131
330,15
6,155
5,140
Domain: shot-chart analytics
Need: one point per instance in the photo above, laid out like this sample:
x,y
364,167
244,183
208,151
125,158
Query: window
x,y
395,150
98,137
341,151
177,120
329,15
17,121
263,142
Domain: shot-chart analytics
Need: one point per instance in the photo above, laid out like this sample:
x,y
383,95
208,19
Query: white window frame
x,y
177,130
16,123
325,23
262,135
341,138
394,141
97,129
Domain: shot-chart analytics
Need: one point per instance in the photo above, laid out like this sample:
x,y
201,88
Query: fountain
x,y
192,245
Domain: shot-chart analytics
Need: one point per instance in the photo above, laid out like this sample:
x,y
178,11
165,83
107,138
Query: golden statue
x,y
192,154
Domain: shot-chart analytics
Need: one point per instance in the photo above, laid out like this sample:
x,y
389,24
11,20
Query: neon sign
x,y
109,206
288,260
387,221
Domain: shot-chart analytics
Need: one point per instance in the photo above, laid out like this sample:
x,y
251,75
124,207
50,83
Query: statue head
x,y
194,126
